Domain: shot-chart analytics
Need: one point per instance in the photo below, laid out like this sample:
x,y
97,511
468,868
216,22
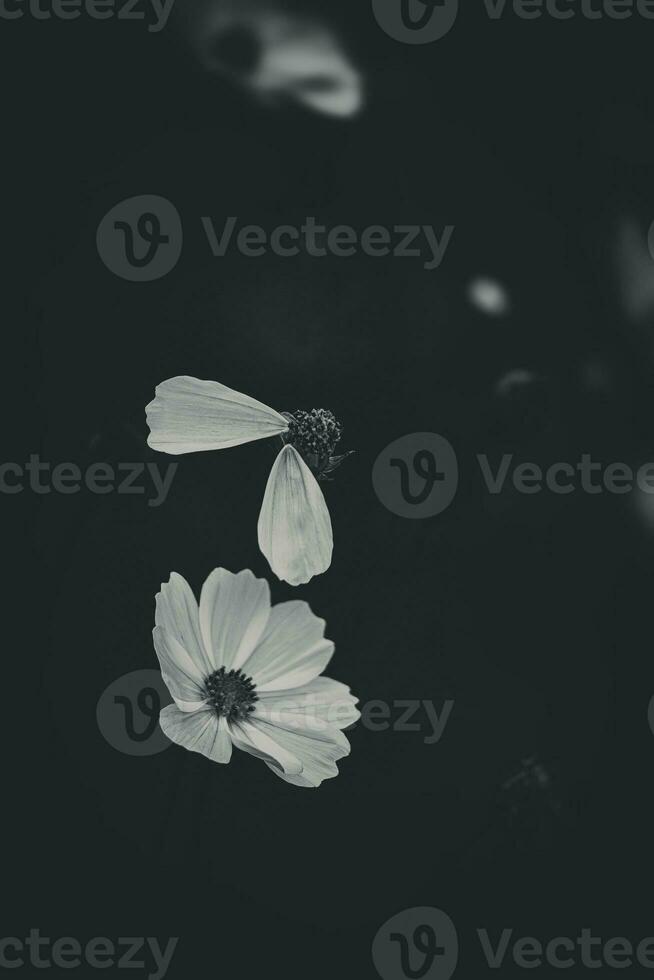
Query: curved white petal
x,y
188,415
292,650
203,731
256,740
234,611
318,748
188,707
182,677
177,612
295,530
322,700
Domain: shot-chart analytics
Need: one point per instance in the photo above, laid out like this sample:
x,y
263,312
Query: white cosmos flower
x,y
245,674
295,530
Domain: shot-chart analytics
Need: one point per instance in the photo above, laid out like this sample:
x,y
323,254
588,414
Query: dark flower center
x,y
231,693
314,433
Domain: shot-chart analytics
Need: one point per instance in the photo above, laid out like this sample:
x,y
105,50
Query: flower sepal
x,y
325,468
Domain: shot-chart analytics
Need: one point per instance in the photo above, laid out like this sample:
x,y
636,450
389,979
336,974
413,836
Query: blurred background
x,y
535,140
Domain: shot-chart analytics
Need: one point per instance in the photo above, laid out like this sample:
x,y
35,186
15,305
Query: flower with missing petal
x,y
295,531
247,674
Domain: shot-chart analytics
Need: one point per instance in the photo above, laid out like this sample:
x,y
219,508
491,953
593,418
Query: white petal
x,y
204,731
317,748
234,611
177,612
188,707
256,740
325,701
295,530
292,650
182,677
189,415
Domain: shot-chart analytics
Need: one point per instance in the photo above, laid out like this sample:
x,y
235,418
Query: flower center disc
x,y
231,693
315,433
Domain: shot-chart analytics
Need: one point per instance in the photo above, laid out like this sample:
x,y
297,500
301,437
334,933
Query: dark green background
x,y
534,139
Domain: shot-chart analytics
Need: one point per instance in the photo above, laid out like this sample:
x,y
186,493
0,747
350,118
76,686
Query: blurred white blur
x,y
276,54
635,269
488,296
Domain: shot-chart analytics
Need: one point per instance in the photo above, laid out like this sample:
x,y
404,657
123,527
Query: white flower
x,y
245,674
295,530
